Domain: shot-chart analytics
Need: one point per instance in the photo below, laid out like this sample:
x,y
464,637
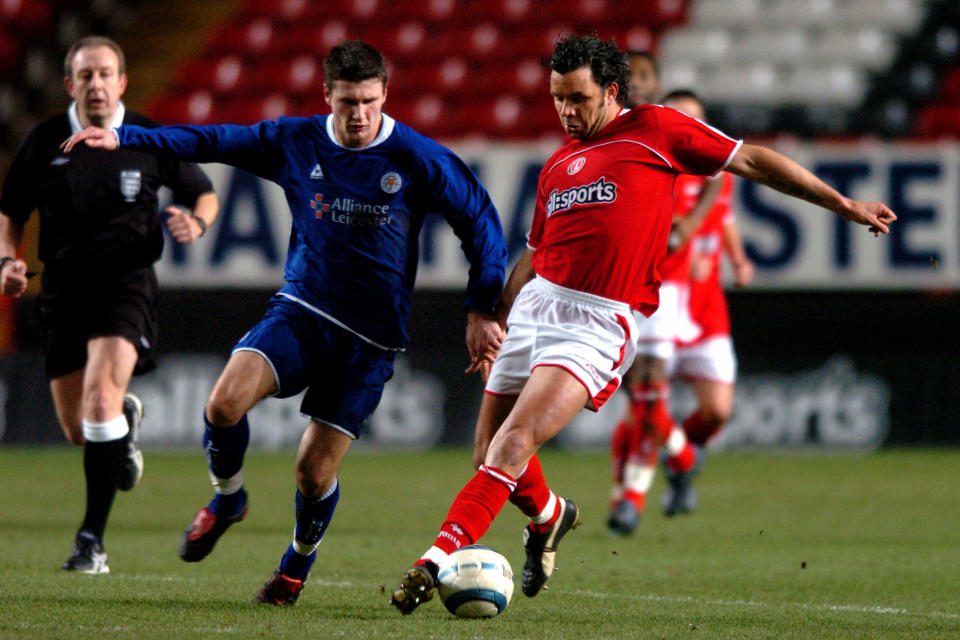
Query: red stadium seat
x,y
939,121
631,38
294,76
222,75
429,114
255,37
280,10
28,18
950,84
409,39
316,39
522,78
254,109
537,41
481,41
503,117
193,108
506,11
432,11
450,76
11,48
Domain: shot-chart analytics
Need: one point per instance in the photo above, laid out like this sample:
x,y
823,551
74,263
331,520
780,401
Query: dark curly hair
x,y
607,63
354,61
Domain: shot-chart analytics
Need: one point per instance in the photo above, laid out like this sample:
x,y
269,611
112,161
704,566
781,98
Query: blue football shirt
x,y
357,213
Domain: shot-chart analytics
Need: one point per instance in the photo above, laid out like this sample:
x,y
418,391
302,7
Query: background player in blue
x,y
358,185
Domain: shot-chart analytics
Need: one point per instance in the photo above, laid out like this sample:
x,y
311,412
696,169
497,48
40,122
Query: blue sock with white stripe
x,y
313,518
224,448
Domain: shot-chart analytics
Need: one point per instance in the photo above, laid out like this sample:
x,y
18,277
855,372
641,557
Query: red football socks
x,y
699,430
532,493
474,508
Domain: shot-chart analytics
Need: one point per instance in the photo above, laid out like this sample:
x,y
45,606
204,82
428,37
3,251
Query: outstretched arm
x,y
522,274
776,171
255,148
93,137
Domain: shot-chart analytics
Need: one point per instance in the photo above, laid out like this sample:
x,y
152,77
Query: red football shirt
x,y
604,205
708,302
675,266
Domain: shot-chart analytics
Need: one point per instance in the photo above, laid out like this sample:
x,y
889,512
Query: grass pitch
x,y
783,546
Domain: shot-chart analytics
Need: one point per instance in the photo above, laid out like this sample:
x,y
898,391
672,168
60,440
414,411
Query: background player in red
x,y
592,257
706,360
647,424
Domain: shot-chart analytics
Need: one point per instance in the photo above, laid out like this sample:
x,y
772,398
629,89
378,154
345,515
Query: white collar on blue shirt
x,y
76,127
386,128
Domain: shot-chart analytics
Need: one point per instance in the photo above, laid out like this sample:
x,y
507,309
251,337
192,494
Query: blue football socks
x,y
224,448
313,518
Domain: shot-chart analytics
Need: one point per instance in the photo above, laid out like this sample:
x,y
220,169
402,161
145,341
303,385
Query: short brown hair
x,y
607,63
354,61
91,42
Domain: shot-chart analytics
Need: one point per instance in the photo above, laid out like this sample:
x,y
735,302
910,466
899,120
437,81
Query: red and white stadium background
x,y
844,340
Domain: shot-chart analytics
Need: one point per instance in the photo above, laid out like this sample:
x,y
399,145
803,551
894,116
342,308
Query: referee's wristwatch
x,y
4,260
200,223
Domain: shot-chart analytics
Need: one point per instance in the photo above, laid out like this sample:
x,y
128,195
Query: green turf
x,y
783,546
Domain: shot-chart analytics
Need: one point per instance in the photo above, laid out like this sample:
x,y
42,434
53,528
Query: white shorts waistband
x,y
580,297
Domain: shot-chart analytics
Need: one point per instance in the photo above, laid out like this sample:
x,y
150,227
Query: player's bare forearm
x,y
484,337
11,234
522,274
207,208
776,171
779,172
13,272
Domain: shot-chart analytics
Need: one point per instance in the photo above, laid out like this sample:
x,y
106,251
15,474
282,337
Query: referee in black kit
x,y
100,234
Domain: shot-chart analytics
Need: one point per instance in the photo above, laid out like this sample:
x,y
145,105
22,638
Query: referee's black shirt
x,y
98,209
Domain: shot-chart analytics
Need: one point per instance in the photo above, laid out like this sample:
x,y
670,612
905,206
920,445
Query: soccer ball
x,y
475,582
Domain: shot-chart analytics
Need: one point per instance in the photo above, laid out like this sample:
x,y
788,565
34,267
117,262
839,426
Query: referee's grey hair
x,y
90,42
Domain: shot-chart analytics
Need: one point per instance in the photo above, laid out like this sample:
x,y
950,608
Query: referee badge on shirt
x,y
130,184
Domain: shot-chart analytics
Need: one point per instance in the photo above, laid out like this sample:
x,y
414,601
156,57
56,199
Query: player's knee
x,y
716,415
511,449
101,404
314,476
224,409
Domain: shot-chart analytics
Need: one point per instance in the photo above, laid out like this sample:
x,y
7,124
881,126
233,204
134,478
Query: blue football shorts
x,y
343,374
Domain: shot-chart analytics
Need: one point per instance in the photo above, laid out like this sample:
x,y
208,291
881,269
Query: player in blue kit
x,y
359,185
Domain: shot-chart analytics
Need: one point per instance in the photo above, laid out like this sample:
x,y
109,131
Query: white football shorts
x,y
712,359
669,323
592,338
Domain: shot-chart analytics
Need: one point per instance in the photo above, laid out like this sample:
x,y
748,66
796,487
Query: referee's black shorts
x,y
122,305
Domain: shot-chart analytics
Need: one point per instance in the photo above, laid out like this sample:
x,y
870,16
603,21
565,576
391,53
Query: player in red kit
x,y
600,227
647,425
708,362
680,343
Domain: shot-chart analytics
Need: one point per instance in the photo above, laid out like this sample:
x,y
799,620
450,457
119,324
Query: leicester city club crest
x,y
391,182
130,184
